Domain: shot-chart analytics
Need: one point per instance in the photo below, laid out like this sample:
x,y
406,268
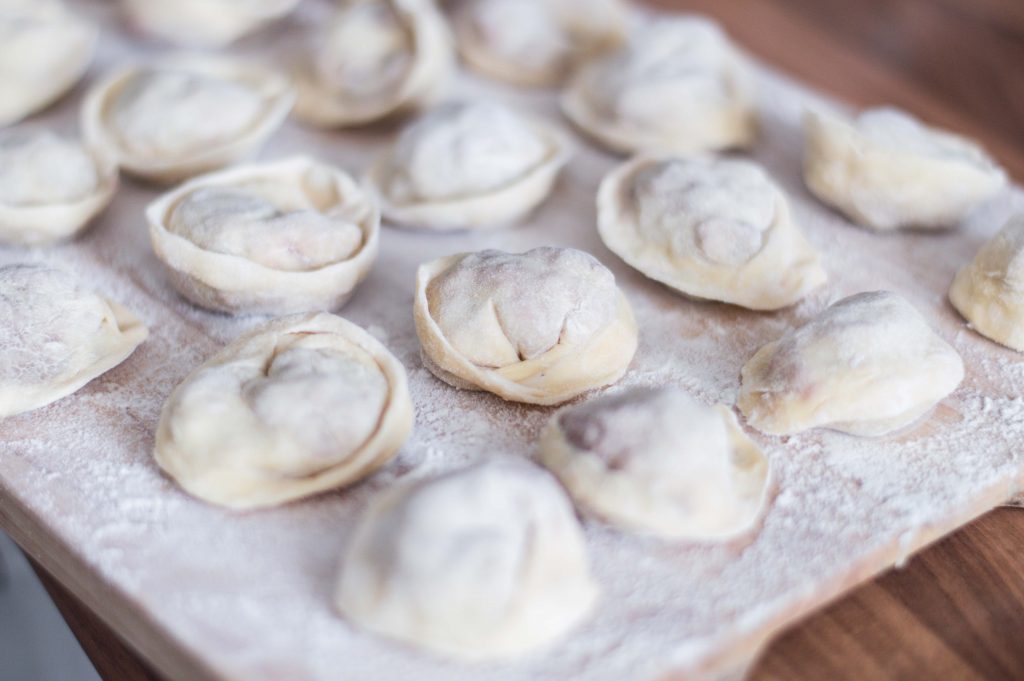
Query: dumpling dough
x,y
868,365
468,166
711,228
679,87
537,42
654,461
50,186
305,404
183,116
540,327
204,23
886,170
484,563
56,336
375,58
274,238
44,50
989,292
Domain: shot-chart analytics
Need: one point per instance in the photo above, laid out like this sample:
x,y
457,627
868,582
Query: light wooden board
x,y
206,594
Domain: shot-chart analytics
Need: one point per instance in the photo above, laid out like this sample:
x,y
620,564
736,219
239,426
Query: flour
x,y
250,593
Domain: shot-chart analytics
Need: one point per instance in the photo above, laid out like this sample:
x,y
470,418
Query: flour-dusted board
x,y
203,593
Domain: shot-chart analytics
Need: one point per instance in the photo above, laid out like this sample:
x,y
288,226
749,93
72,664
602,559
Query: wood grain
x,y
955,612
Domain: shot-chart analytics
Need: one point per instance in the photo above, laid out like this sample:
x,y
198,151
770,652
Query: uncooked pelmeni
x,y
989,292
305,404
468,166
50,186
375,58
868,365
44,50
886,170
540,327
484,563
679,86
718,229
654,461
273,238
184,115
56,336
204,23
537,42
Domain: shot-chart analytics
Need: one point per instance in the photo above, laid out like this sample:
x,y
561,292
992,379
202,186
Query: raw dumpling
x,y
468,166
44,50
305,404
711,228
868,365
679,87
654,461
484,563
537,42
272,238
204,23
374,59
184,116
50,186
989,292
56,336
886,170
540,327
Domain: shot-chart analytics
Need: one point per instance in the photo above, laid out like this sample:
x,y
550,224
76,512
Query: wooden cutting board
x,y
206,594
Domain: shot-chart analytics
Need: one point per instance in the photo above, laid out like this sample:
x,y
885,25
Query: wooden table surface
x,y
956,611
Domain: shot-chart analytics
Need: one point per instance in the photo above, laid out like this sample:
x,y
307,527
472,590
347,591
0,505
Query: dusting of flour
x,y
249,594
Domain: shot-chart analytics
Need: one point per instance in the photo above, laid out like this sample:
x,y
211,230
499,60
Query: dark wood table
x,y
956,611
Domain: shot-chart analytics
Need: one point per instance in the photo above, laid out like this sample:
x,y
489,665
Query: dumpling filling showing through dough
x,y
305,404
712,228
654,461
484,563
868,365
541,326
242,221
287,236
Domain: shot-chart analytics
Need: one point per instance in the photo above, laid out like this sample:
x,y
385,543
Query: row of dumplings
x,y
489,561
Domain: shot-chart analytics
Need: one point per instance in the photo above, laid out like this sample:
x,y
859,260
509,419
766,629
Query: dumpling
x,y
484,563
654,461
272,238
44,50
868,365
679,86
204,23
711,228
537,42
375,58
540,327
50,186
468,166
302,405
886,170
183,116
989,292
56,336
